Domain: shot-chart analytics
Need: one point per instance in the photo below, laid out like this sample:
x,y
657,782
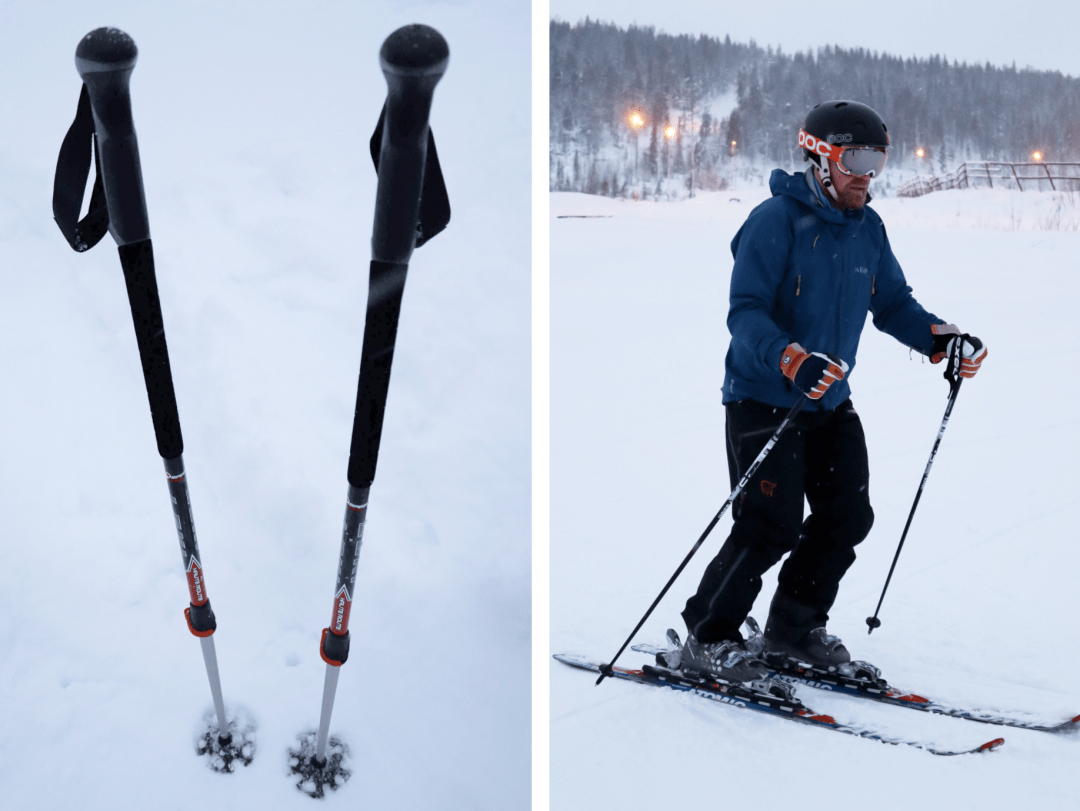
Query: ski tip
x,y
990,746
911,698
1076,720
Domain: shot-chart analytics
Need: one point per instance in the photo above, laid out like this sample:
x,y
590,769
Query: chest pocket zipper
x,y
798,284
873,289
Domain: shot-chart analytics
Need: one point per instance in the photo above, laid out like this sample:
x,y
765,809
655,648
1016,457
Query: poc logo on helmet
x,y
808,141
844,138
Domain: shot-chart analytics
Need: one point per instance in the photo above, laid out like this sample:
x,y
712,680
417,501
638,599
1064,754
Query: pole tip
x,y
605,671
873,622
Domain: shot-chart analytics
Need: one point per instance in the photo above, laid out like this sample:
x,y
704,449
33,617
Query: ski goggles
x,y
851,160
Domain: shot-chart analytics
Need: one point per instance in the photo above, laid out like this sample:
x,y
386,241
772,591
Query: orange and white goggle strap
x,y
822,149
819,147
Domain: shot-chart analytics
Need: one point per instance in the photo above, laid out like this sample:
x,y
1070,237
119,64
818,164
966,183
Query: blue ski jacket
x,y
806,272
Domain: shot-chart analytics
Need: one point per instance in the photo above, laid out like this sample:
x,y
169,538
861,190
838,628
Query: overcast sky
x,y
1044,35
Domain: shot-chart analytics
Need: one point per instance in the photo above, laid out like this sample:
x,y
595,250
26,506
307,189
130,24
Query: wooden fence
x,y
992,174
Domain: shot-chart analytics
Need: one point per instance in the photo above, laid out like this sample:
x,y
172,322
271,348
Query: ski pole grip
x,y
105,59
413,60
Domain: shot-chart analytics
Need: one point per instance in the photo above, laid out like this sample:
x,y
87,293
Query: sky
x,y
1041,35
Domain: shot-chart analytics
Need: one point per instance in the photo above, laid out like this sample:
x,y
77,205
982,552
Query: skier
x,y
809,263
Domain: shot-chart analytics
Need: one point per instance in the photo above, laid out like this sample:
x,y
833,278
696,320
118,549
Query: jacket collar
x,y
804,189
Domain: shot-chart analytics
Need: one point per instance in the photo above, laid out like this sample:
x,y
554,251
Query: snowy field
x,y
253,121
982,608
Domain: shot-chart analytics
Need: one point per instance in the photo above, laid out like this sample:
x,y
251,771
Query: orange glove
x,y
965,352
811,372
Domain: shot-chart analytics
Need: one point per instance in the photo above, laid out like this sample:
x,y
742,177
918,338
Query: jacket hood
x,y
797,187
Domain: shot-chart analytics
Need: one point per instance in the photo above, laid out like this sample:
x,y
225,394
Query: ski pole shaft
x,y
413,60
334,645
605,670
330,680
105,59
873,622
199,615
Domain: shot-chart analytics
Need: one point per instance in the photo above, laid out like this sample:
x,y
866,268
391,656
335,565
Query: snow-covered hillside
x,y
253,123
981,609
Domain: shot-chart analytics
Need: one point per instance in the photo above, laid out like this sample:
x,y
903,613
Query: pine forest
x,y
637,113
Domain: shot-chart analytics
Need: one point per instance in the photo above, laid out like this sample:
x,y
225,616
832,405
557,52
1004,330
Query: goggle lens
x,y
864,160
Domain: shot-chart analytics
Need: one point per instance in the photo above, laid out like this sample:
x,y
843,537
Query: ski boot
x,y
795,631
727,661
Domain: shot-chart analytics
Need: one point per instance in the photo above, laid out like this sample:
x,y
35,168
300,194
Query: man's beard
x,y
853,195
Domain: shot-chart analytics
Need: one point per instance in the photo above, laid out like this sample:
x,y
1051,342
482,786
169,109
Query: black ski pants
x,y
820,456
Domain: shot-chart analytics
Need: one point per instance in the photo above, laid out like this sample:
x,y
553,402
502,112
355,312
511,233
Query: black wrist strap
x,y
69,184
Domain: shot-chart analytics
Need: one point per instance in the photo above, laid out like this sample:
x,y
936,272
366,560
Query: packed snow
x,y
982,606
253,122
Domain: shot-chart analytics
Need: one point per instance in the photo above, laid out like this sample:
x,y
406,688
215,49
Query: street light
x,y
670,132
1036,156
920,153
636,121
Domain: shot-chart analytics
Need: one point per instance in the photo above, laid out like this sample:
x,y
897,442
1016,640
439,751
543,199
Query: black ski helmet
x,y
842,123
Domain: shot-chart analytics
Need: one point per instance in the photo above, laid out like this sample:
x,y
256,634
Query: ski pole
x,y
105,59
873,622
411,206
605,670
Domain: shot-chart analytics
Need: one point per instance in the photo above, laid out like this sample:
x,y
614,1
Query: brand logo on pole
x,y
196,586
342,607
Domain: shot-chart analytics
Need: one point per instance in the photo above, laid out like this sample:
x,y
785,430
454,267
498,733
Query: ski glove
x,y
965,353
811,372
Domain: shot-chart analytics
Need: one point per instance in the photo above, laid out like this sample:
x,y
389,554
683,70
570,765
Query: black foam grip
x,y
387,283
137,260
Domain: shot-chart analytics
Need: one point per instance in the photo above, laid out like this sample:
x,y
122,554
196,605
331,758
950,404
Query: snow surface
x,y
982,608
253,121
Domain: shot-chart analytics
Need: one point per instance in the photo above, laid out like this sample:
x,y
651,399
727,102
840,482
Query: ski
x,y
737,695
866,682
